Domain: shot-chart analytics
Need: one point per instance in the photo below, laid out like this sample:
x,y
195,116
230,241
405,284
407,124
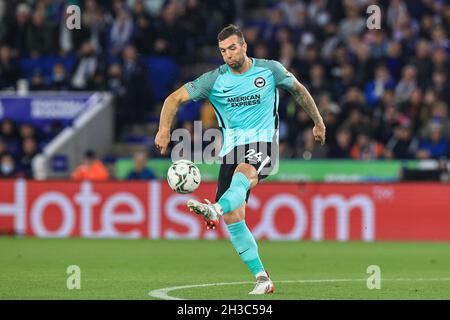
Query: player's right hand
x,y
319,132
162,140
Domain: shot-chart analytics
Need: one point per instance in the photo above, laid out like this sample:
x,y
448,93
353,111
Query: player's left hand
x,y
319,132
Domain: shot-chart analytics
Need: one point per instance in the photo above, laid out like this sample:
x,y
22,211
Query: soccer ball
x,y
183,176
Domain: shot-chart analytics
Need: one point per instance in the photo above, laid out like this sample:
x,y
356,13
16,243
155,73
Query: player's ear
x,y
244,46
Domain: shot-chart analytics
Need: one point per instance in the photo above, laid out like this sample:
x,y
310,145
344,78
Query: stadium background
x,y
384,95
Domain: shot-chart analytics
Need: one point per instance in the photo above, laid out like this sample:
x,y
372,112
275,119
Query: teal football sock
x,y
245,245
235,196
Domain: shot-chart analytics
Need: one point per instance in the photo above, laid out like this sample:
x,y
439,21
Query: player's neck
x,y
244,68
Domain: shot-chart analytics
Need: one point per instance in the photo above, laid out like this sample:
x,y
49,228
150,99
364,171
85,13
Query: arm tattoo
x,y
304,99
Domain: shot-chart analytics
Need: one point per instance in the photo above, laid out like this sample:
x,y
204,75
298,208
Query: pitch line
x,y
164,292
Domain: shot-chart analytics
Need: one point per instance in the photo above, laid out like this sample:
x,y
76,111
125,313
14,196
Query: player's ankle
x,y
218,208
262,273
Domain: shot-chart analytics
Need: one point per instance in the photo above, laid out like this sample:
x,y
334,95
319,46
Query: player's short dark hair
x,y
229,31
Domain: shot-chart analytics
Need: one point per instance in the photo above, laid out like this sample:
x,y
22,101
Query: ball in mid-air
x,y
183,176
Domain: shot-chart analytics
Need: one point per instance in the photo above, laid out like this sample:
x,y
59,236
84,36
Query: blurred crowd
x,y
19,144
383,93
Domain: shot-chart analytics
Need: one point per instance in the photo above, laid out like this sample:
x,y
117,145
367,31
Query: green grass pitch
x,y
129,269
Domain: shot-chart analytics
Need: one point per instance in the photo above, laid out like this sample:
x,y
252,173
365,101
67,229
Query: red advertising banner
x,y
278,211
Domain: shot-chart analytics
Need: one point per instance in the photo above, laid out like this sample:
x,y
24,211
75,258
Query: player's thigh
x,y
262,157
235,215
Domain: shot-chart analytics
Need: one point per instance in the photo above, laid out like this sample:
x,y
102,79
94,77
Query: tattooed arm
x,y
304,99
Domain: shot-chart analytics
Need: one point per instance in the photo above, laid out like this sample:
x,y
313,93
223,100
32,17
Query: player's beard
x,y
238,64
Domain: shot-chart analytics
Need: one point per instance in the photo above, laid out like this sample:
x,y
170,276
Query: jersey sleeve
x,y
283,78
201,87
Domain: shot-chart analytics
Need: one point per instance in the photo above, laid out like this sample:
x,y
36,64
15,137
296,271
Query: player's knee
x,y
249,171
